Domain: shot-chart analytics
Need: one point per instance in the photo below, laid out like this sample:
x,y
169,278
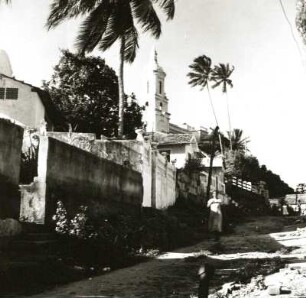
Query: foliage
x,y
247,167
108,21
301,18
238,141
113,238
60,219
200,73
85,90
221,76
193,165
77,227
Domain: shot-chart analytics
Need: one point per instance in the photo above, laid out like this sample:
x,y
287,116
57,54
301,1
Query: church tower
x,y
156,116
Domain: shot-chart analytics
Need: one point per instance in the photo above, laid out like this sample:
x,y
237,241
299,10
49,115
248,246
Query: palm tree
x,y
200,75
107,21
238,141
221,76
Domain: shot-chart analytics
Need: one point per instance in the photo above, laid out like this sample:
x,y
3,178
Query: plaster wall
x,y
27,109
164,181
177,153
77,177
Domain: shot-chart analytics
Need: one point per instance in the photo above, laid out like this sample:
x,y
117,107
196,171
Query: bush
x,y
113,239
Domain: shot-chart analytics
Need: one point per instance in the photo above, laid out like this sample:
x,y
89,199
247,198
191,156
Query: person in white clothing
x,y
215,215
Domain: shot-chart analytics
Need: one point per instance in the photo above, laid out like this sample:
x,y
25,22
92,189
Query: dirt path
x,y
174,274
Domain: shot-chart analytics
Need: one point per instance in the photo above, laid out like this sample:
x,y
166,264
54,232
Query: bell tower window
x,y
160,87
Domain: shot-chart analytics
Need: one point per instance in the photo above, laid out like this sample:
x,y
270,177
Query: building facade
x,y
26,104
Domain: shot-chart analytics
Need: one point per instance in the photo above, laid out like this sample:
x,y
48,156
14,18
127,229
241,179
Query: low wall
x,y
77,177
11,137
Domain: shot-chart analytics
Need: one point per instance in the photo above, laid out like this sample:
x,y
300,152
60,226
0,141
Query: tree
x,y
85,90
200,75
108,21
301,18
238,141
221,76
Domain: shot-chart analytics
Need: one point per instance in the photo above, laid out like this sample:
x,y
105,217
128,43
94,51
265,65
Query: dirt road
x,y
174,274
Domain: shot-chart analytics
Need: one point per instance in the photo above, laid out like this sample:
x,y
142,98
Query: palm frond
x,y
111,33
168,6
200,71
220,75
146,16
93,28
61,10
131,44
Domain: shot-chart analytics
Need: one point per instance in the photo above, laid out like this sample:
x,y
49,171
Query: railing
x,y
247,185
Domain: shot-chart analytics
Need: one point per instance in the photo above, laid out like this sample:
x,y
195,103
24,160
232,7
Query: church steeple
x,y
156,116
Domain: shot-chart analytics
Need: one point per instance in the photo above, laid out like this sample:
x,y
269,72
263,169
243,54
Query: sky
x,y
268,98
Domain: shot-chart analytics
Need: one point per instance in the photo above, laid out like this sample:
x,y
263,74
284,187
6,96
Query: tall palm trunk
x,y
214,112
211,104
229,122
121,88
212,156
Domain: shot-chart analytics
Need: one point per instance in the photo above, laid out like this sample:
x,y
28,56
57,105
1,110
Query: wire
x,y
291,29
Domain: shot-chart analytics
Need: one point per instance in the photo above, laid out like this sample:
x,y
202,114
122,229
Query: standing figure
x,y
299,207
215,215
285,210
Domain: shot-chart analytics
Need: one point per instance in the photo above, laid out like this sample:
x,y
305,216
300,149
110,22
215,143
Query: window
x,y
11,93
166,153
160,87
2,93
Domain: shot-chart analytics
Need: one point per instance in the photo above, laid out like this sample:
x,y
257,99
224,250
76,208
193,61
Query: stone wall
x,y
77,177
11,136
192,186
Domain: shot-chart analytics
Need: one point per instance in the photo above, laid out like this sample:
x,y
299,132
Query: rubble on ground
x,y
288,282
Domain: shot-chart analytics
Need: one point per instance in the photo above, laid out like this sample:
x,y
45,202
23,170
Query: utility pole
x,y
212,155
